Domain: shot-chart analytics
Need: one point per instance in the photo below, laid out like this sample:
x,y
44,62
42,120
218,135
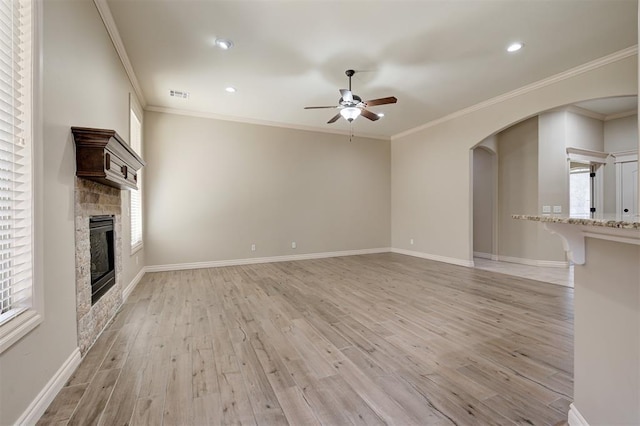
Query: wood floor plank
x,y
148,411
94,358
375,339
205,376
207,410
125,393
296,408
234,401
95,398
155,370
63,406
178,404
350,403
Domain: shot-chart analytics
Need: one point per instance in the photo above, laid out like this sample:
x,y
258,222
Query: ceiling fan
x,y
351,106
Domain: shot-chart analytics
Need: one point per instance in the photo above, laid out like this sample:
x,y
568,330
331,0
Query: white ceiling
x,y
435,56
610,106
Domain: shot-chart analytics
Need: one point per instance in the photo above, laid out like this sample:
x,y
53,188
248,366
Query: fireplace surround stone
x,y
95,199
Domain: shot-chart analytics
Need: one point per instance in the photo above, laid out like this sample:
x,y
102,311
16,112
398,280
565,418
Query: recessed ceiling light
x,y
224,44
230,89
381,114
514,47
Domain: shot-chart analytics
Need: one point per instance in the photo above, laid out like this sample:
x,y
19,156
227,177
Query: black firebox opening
x,y
103,274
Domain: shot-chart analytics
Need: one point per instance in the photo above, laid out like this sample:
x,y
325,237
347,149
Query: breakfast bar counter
x,y
606,255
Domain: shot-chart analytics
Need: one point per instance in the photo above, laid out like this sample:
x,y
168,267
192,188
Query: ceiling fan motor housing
x,y
357,100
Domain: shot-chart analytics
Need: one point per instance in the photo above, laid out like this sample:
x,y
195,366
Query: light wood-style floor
x,y
372,339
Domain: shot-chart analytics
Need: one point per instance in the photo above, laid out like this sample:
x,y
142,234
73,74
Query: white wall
x,y
619,135
84,85
438,216
584,132
215,187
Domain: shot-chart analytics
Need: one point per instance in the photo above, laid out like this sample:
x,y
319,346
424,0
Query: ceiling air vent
x,y
179,94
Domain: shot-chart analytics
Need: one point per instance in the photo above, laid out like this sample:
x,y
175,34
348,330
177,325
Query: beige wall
x,y
518,189
216,187
84,85
439,215
553,176
607,334
484,198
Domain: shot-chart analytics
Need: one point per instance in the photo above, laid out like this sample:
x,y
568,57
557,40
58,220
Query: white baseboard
x,y
575,418
437,258
127,291
488,256
39,405
533,262
254,260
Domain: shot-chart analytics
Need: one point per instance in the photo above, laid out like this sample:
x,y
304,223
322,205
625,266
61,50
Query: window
x,y
16,174
136,196
580,190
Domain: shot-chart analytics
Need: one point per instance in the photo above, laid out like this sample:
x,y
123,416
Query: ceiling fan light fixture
x,y
350,113
224,43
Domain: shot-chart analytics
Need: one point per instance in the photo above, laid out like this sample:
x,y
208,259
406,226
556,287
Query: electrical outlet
x,y
557,209
546,209
411,241
294,245
253,247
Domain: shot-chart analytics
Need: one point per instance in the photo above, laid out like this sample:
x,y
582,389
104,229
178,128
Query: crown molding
x,y
581,111
589,66
621,115
112,29
592,114
210,115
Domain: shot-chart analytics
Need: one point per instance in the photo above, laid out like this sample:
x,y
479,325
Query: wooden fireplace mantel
x,y
103,156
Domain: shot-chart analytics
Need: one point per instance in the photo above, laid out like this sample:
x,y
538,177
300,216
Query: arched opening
x,y
576,158
485,175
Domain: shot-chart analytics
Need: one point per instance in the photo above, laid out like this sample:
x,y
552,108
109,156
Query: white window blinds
x,y
136,196
16,236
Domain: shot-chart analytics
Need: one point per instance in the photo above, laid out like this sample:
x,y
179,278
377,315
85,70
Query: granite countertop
x,y
608,221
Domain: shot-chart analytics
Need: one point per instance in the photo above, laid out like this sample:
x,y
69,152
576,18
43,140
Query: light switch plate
x,y
557,209
546,209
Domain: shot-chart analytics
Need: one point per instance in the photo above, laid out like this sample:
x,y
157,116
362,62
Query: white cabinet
x,y
629,188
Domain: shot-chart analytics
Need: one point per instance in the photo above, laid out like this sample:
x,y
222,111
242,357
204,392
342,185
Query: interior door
x,y
629,187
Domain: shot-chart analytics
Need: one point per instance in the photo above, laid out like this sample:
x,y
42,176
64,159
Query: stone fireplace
x,y
105,165
95,199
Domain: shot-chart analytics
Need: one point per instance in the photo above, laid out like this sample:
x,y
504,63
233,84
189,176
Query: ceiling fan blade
x,y
368,114
381,101
321,107
347,96
334,119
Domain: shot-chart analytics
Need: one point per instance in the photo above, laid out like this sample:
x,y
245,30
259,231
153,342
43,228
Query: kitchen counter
x,y
607,221
606,254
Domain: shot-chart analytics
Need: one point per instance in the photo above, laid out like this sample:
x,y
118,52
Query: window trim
x,y
19,326
136,109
